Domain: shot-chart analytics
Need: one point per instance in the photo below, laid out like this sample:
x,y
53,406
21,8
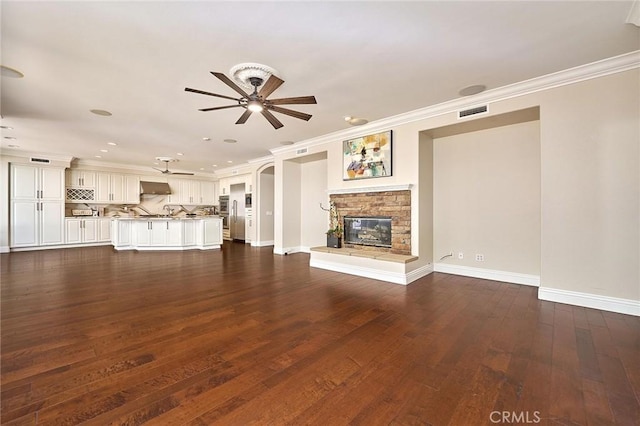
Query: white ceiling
x,y
363,59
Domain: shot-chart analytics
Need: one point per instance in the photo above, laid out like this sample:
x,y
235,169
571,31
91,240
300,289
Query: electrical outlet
x,y
479,257
460,255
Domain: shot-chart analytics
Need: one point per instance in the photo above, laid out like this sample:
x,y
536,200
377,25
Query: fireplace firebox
x,y
368,231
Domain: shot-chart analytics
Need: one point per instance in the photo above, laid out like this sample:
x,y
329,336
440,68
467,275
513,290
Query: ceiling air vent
x,y
40,160
472,111
301,151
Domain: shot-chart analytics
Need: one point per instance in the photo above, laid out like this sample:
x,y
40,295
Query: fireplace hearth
x,y
368,230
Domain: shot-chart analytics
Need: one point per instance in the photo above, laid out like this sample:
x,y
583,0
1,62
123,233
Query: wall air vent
x,y
301,151
473,111
40,160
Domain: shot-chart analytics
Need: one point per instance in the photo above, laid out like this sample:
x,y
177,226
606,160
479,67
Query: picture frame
x,y
368,156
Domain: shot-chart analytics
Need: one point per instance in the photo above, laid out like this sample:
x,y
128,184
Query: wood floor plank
x,y
240,336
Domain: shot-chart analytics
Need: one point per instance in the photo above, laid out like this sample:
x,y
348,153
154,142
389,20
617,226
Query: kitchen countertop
x,y
146,218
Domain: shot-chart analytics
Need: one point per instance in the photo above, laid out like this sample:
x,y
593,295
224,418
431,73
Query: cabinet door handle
x,y
167,226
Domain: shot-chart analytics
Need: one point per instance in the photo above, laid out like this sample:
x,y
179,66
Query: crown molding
x,y
616,64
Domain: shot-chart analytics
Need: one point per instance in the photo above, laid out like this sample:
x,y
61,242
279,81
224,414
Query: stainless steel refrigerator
x,y
236,222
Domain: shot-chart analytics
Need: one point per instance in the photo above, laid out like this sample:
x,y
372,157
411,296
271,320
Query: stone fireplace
x,y
392,204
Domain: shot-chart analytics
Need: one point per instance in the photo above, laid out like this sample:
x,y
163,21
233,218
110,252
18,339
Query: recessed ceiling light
x,y
179,153
214,165
229,141
201,168
104,150
206,139
6,127
156,164
98,156
10,72
112,143
102,112
229,161
354,121
472,90
347,118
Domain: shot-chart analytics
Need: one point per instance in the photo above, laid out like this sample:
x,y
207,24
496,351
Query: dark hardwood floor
x,y
239,336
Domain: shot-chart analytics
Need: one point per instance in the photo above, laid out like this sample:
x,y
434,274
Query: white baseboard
x,y
289,250
262,243
489,274
588,300
4,249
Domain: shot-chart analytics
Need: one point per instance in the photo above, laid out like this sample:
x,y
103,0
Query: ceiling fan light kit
x,y
166,171
257,101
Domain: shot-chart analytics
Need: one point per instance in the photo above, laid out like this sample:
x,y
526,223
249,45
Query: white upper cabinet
x,y
81,178
117,188
208,193
191,192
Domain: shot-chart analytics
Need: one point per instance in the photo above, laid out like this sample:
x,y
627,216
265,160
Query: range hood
x,y
154,188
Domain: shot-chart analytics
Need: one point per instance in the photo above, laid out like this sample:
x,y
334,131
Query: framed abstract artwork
x,y
367,156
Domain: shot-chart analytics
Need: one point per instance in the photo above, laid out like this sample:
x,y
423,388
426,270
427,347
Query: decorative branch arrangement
x,y
335,227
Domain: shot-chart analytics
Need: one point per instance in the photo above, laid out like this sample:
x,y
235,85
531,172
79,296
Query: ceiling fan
x,y
166,171
257,101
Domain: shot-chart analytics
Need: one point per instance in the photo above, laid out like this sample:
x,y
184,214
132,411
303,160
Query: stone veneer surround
x,y
396,204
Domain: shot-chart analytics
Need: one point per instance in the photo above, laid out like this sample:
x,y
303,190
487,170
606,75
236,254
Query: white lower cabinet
x,y
189,233
211,232
91,230
158,233
121,233
172,234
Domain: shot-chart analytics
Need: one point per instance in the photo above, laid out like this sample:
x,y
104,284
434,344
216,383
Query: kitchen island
x,y
167,233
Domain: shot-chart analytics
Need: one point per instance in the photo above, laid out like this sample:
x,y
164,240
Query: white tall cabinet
x,y
37,205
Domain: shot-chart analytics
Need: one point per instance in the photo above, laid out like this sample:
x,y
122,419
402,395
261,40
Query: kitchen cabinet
x,y
189,233
211,232
208,193
171,234
37,205
116,188
79,231
225,184
192,192
80,178
87,230
158,233
121,233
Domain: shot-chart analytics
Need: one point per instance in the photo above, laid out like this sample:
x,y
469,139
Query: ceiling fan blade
x,y
290,101
180,173
292,113
216,108
160,170
243,118
270,86
226,80
272,119
202,92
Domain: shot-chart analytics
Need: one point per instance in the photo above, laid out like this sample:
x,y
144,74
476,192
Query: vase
x,y
334,241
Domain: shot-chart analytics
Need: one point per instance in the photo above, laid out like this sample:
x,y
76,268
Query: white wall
x,y
266,207
290,212
315,221
590,135
487,198
589,181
